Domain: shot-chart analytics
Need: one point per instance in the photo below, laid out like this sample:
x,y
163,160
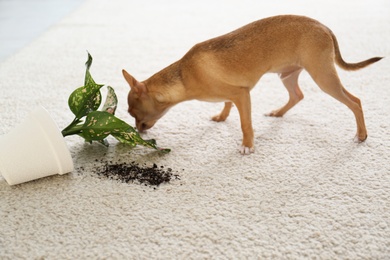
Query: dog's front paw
x,y
359,139
275,113
219,118
246,150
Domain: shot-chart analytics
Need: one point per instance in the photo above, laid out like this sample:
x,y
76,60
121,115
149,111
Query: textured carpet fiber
x,y
307,192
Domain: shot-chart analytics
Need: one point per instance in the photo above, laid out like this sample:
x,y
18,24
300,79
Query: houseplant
x,y
95,125
37,148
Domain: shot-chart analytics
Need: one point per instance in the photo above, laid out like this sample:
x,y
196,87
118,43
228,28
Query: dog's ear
x,y
138,87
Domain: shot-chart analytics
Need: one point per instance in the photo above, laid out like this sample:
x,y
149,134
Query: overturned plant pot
x,y
33,150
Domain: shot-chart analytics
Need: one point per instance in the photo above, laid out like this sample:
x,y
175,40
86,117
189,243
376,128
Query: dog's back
x,y
267,45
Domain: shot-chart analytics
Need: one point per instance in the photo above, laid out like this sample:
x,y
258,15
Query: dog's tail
x,y
350,66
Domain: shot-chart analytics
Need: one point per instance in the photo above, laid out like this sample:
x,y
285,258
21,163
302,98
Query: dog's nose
x,y
138,126
141,126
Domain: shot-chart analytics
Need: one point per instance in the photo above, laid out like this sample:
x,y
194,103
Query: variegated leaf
x,y
111,101
99,124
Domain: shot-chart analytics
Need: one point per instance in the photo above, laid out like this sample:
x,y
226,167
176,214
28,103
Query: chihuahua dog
x,y
226,68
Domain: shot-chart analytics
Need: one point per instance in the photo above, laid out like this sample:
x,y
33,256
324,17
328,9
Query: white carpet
x,y
307,192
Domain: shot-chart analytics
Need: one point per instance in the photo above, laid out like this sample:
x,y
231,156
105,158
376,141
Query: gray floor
x,y
23,20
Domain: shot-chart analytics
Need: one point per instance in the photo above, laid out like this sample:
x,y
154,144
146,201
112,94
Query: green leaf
x,y
126,137
99,124
111,101
86,98
88,80
132,138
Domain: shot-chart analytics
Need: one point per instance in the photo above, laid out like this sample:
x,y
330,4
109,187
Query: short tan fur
x,y
226,68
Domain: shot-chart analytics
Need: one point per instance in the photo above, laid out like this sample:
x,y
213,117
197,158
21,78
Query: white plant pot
x,y
33,150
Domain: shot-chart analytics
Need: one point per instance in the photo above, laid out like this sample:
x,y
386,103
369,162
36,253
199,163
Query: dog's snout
x,y
141,127
138,125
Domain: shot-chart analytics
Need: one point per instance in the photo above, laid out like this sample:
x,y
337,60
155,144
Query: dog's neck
x,y
167,85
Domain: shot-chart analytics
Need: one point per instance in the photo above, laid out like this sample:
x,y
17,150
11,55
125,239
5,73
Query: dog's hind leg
x,y
224,113
290,81
328,80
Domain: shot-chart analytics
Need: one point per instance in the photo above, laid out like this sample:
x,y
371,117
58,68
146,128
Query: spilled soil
x,y
134,173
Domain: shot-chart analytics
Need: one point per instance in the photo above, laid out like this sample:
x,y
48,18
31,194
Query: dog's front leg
x,y
243,104
224,113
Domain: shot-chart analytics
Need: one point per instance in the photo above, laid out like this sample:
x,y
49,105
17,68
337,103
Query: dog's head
x,y
143,106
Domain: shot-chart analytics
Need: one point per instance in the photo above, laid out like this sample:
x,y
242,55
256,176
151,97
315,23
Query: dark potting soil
x,y
133,172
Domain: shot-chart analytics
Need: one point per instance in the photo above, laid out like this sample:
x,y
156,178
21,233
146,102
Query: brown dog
x,y
226,68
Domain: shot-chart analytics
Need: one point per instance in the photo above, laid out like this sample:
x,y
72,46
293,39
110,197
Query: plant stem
x,y
73,128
